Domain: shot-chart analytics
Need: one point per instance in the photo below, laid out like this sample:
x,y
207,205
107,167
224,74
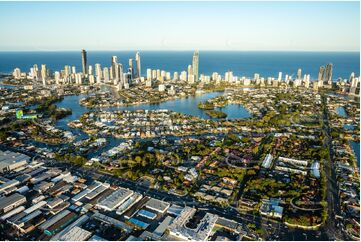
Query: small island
x,y
216,114
206,105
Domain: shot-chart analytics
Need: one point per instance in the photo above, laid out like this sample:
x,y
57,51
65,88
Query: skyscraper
x,y
195,64
149,74
116,76
98,72
131,69
321,73
84,62
114,67
299,73
121,76
190,74
137,60
43,74
36,71
106,74
328,76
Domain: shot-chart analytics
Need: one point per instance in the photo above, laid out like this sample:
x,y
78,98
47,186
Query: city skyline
x,y
271,26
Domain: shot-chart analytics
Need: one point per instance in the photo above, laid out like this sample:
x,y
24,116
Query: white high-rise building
x,y
352,76
91,80
158,75
183,76
307,81
113,67
167,76
90,70
214,76
106,74
228,76
149,74
299,73
286,79
57,77
17,73
247,82
269,81
137,60
190,70
279,76
98,71
191,79
163,74
175,76
78,78
44,74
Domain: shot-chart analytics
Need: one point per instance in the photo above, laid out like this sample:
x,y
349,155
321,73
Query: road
x,y
333,201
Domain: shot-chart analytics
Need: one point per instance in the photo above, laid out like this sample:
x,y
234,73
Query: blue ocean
x,y
242,63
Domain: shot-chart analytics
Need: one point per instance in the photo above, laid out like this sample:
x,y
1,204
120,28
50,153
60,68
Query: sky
x,y
245,26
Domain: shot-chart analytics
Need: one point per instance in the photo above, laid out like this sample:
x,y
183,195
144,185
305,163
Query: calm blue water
x,y
242,63
356,148
183,105
341,111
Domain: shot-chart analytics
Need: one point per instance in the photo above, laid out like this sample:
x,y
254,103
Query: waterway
x,y
356,148
354,145
186,106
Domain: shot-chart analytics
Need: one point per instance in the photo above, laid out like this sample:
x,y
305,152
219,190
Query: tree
x,y
138,159
251,172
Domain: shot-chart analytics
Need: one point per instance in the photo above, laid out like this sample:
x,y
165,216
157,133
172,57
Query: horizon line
x,y
186,50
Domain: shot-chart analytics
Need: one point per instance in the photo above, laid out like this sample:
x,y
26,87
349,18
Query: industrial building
x,y
157,205
115,199
10,161
179,228
76,234
11,202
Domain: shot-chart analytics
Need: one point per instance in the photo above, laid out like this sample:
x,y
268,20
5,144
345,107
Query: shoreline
x,y
355,162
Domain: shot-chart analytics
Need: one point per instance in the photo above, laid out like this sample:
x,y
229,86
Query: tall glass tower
x,y
137,60
84,62
195,64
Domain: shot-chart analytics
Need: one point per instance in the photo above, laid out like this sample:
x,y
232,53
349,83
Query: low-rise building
x,y
11,202
76,234
270,208
179,228
115,199
157,205
12,160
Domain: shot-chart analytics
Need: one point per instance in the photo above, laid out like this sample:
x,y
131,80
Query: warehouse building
x,y
76,234
157,205
10,161
11,202
115,199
